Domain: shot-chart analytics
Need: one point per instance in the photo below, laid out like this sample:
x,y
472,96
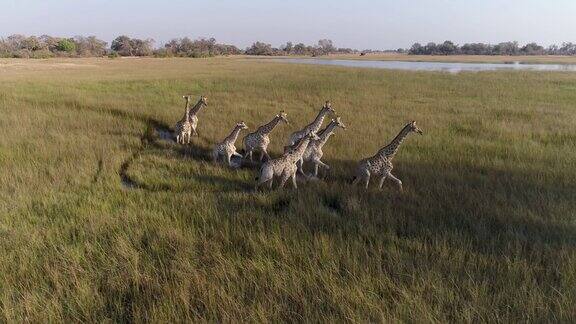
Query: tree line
x,y
20,46
45,46
504,48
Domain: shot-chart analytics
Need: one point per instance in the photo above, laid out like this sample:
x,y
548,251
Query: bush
x,y
113,55
41,54
66,45
23,53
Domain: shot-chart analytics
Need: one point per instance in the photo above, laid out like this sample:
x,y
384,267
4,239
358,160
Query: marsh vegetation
x,y
105,218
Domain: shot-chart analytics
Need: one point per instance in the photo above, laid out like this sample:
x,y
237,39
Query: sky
x,y
359,24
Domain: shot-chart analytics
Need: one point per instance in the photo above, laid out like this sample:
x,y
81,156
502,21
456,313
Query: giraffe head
x,y
414,128
204,101
187,97
328,107
338,122
241,125
283,117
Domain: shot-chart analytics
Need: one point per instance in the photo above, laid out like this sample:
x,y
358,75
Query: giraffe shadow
x,y
498,212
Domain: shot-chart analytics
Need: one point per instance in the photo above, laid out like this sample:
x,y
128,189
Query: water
x,y
434,66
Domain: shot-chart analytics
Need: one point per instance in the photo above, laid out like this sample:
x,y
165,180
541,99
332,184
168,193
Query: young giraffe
x,y
183,128
381,163
192,115
284,166
227,149
313,152
314,126
260,138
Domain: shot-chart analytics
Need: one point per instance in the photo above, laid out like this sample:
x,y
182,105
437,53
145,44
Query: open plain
x,y
104,218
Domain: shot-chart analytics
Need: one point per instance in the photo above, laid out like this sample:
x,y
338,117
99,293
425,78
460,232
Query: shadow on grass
x,y
488,211
496,209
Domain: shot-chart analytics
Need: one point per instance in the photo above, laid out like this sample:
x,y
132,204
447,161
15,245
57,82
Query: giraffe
x,y
260,138
227,149
183,128
313,152
284,166
314,126
380,164
192,116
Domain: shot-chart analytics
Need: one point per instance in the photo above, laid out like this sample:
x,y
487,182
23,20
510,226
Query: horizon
x,y
362,26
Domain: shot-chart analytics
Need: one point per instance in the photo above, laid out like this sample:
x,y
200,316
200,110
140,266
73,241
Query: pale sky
x,y
360,24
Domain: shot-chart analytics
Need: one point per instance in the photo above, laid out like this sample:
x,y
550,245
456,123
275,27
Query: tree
x,y
299,49
122,45
416,49
260,48
66,45
142,47
326,46
506,48
287,48
430,49
90,46
126,46
532,49
447,48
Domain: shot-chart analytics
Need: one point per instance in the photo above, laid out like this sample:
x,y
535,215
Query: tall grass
x,y
485,230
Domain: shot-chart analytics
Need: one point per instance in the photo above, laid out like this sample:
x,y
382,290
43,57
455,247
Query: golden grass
x,y
485,230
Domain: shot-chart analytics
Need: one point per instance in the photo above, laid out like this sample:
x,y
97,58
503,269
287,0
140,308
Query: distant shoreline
x,y
521,59
537,59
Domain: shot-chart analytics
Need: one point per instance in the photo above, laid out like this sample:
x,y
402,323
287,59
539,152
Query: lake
x,y
451,67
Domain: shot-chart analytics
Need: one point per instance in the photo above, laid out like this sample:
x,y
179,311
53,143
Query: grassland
x,y
484,232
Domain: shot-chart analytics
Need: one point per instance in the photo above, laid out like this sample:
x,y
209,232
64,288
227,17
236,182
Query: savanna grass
x,y
103,220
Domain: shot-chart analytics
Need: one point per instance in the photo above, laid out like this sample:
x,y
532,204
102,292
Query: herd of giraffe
x,y
303,146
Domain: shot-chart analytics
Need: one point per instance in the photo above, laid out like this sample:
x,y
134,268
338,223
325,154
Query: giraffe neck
x,y
298,151
267,128
197,107
317,123
390,150
233,136
186,113
325,134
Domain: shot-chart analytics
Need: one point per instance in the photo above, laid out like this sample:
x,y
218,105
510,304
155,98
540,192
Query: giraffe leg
x,y
227,157
300,168
266,155
215,156
316,164
381,183
237,154
283,180
248,154
270,183
266,176
324,165
294,181
366,182
398,181
260,182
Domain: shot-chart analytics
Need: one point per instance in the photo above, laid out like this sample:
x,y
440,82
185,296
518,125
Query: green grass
x,y
485,230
